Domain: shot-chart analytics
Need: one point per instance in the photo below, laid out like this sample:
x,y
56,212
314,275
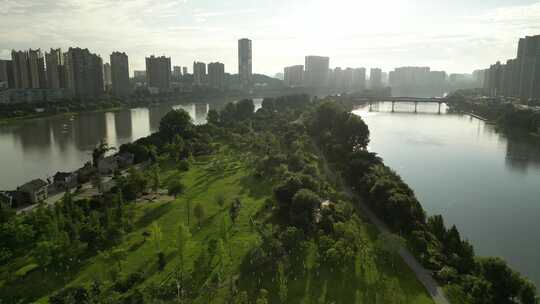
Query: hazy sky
x,y
457,36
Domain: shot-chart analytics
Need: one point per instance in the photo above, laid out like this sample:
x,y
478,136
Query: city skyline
x,y
206,31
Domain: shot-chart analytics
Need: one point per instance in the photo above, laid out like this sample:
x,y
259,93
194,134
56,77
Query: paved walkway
x,y
424,276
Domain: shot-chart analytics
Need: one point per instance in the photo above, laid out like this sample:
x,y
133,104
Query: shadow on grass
x,y
153,215
256,188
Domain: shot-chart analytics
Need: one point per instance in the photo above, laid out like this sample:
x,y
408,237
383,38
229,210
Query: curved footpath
x,y
423,275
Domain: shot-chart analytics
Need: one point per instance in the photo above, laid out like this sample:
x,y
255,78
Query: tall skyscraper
x,y
158,72
55,69
216,75
529,61
36,66
21,75
120,74
359,80
316,74
177,73
107,77
294,75
375,78
199,73
6,73
84,73
245,61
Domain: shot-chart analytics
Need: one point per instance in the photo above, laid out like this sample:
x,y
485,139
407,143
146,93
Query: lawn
x,y
227,174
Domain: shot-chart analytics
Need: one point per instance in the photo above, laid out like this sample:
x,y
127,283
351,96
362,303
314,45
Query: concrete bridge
x,y
394,100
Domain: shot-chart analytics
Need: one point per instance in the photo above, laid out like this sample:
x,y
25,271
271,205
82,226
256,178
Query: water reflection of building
x,y
34,136
62,133
140,123
522,152
155,116
123,124
201,111
89,130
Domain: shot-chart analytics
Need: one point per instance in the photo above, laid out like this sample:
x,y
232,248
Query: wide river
x,y
484,182
38,148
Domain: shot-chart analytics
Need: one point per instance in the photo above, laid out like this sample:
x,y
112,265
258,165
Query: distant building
x,y
245,61
36,68
184,70
6,73
216,75
347,80
528,58
33,95
375,78
21,69
417,82
520,76
84,73
64,180
199,73
359,80
177,73
294,76
120,74
55,69
158,73
316,73
139,75
478,77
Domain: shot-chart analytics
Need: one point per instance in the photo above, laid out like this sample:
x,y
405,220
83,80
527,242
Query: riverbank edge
x,y
7,121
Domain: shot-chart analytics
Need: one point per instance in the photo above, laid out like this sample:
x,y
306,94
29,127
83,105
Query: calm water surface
x,y
485,183
39,148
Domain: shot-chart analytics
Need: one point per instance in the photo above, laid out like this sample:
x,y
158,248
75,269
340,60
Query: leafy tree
x,y
390,244
241,298
157,236
115,256
282,283
220,200
175,188
234,210
183,238
263,297
506,282
213,117
199,213
100,151
154,174
176,122
303,208
244,109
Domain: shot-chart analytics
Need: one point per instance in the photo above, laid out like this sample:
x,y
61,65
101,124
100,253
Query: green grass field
x,y
227,174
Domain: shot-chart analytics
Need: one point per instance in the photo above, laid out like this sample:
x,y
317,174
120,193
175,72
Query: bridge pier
x,y
370,103
393,102
415,106
439,108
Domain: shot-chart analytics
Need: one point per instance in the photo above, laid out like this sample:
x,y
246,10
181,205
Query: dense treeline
x,y
307,229
478,280
57,240
505,115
